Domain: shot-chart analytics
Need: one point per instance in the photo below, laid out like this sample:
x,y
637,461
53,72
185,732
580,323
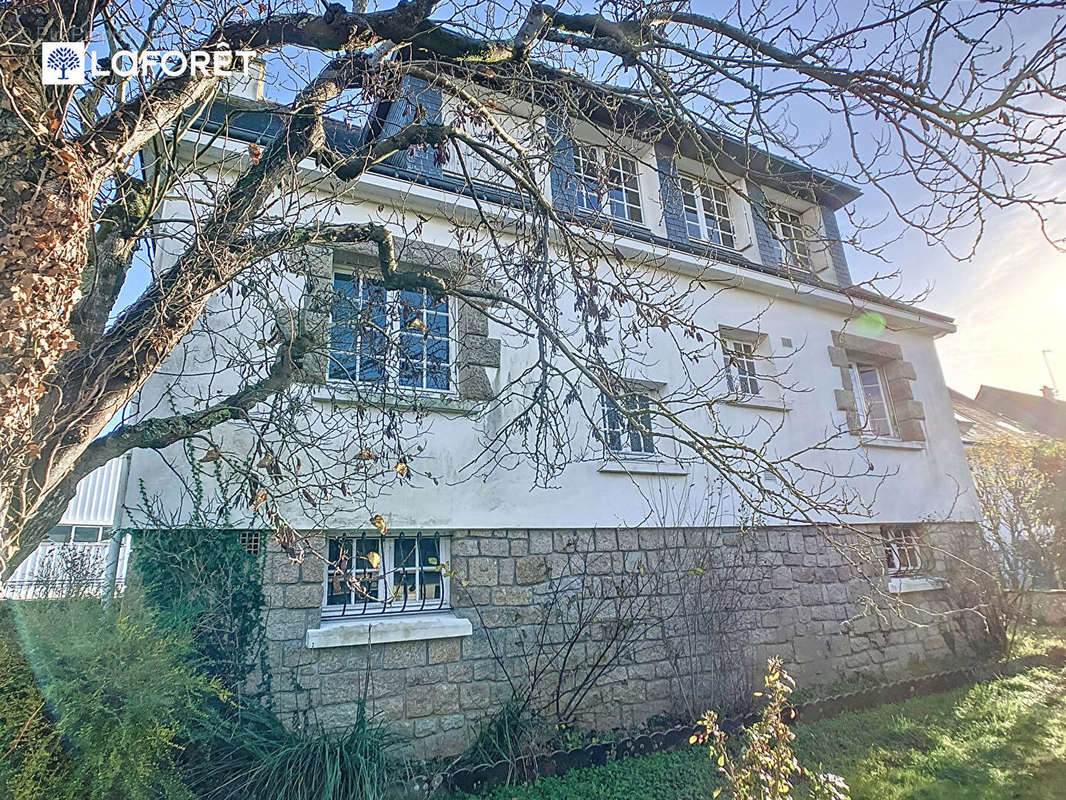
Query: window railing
x,y
67,569
903,552
370,574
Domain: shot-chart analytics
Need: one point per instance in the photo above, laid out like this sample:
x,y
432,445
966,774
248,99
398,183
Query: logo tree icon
x,y
62,59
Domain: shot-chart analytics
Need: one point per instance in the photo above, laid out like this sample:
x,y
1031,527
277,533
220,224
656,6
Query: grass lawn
x,y
1003,740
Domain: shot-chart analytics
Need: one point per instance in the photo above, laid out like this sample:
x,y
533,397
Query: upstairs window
x,y
792,238
380,337
872,400
386,575
629,433
903,551
740,367
607,183
707,212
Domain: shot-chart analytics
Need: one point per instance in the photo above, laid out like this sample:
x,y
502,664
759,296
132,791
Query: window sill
x,y
642,466
917,584
890,444
343,394
760,403
384,629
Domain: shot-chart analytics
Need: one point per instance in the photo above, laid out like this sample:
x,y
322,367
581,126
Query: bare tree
x,y
941,98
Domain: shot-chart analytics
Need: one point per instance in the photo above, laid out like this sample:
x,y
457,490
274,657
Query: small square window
x,y
385,575
250,541
872,400
740,360
903,551
629,431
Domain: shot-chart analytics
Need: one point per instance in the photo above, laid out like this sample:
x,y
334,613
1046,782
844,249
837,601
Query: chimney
x,y
1048,392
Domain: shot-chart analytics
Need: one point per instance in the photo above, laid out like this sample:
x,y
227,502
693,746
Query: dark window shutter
x,y
670,191
564,190
414,92
835,247
768,246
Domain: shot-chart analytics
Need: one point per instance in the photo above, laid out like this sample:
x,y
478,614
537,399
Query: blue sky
x,y
1009,300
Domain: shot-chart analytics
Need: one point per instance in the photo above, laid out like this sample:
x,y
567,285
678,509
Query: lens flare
x,y
870,323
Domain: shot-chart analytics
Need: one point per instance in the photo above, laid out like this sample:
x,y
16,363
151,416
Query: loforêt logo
x,y
63,63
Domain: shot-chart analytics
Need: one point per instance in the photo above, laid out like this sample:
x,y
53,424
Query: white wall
x,y
931,482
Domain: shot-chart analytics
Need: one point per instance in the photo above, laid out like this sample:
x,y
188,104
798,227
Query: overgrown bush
x,y
258,759
33,763
767,768
124,696
203,581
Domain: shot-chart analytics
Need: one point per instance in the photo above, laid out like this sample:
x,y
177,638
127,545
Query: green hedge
x,y
122,697
204,582
33,764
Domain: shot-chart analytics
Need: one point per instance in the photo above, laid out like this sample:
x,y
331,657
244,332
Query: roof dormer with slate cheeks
x,y
415,99
776,215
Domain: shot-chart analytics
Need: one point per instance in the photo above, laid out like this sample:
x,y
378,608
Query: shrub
x,y
33,763
124,696
203,581
256,758
767,768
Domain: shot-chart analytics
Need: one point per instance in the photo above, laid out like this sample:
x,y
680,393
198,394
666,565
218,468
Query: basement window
x,y
368,574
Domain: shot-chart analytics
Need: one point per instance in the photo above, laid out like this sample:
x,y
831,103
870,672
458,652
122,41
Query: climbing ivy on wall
x,y
209,581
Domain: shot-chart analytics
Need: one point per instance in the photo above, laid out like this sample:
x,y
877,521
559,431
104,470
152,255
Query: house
x,y
979,424
467,589
79,549
1043,413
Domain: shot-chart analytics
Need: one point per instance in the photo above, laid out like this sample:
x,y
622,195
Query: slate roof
x,y
1044,415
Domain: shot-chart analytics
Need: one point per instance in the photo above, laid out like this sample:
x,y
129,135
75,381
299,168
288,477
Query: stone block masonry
x,y
706,607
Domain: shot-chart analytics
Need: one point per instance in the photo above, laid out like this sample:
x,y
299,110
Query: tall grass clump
x,y
259,759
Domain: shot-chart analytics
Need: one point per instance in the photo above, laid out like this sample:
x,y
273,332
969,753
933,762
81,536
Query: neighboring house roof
x,y
978,424
1045,415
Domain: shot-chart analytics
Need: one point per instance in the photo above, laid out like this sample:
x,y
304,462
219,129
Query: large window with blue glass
x,y
389,337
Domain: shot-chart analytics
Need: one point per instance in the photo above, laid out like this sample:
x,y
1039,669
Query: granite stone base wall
x,y
683,618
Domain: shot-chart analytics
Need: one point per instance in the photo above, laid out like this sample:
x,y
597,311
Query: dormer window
x,y
607,183
791,236
707,212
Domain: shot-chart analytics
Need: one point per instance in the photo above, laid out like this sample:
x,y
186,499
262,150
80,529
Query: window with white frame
x,y
477,167
740,358
607,183
389,337
903,551
707,212
872,399
629,432
791,235
369,574
79,534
